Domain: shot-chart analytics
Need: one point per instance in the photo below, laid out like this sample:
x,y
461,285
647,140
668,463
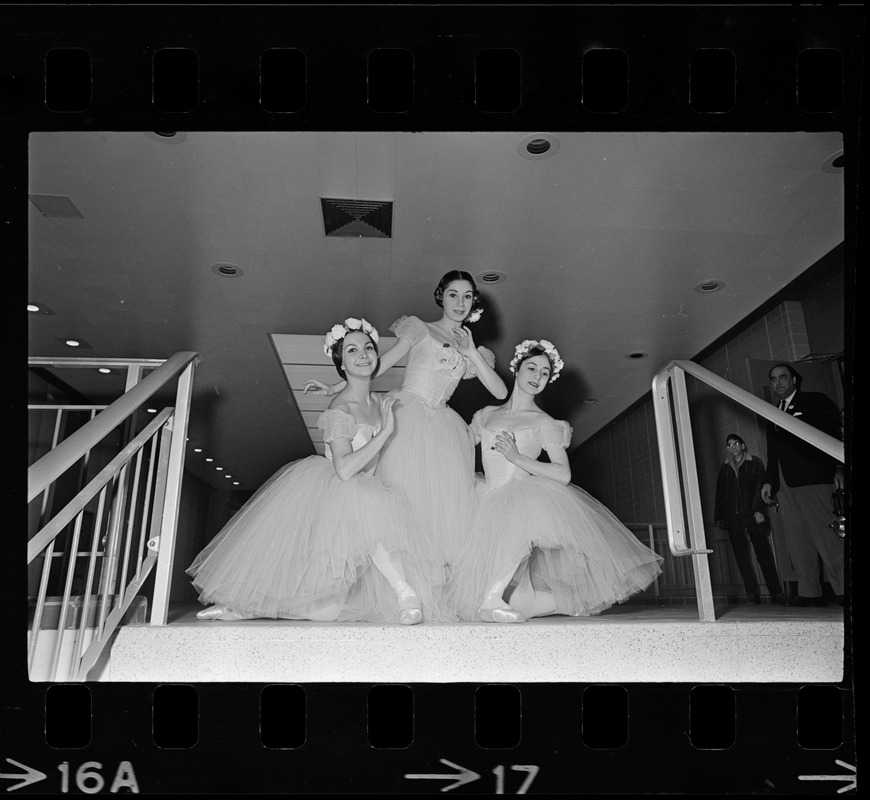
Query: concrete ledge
x,y
639,645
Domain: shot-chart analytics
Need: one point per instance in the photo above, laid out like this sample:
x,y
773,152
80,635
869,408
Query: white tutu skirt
x,y
301,548
565,543
430,457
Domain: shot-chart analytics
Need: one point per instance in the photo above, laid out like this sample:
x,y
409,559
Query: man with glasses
x,y
740,510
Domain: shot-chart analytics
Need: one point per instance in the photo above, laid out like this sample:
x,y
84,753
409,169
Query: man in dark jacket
x,y
802,478
741,511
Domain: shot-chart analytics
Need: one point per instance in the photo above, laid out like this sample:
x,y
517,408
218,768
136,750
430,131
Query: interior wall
x,y
620,465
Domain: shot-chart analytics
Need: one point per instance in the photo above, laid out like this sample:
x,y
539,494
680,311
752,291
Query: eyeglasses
x,y
731,445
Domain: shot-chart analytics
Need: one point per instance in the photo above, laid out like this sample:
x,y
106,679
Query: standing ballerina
x,y
538,544
431,455
324,539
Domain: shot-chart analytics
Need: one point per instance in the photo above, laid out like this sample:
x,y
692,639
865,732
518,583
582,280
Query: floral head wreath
x,y
474,315
549,348
338,332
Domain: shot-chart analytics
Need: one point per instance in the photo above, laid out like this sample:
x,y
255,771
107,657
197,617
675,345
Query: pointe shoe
x,y
221,612
410,611
500,615
410,616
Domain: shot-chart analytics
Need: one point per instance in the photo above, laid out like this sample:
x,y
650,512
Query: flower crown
x,y
338,332
548,347
474,315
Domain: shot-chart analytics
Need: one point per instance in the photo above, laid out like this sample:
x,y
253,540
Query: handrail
x,y
685,527
54,464
69,512
828,444
80,361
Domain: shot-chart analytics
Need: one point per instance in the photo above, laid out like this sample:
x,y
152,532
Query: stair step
x,y
628,644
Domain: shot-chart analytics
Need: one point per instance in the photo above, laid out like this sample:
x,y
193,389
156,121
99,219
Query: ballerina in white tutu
x,y
325,539
538,544
430,457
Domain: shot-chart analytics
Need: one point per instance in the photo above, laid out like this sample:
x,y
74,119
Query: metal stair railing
x,y
685,524
134,503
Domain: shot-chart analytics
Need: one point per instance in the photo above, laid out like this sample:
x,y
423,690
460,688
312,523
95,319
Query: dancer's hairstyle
x,y
795,375
459,275
530,348
333,345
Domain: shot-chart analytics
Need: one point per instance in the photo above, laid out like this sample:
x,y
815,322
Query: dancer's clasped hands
x,y
506,443
388,419
463,341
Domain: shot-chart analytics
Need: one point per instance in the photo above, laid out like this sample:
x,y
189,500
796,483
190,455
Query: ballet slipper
x,y
221,612
495,609
410,612
410,616
506,614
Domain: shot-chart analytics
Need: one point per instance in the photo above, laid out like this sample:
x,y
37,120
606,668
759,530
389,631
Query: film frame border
x,y
445,102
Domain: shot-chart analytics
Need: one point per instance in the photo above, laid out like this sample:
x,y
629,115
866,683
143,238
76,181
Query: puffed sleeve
x,y
488,357
336,424
412,328
554,433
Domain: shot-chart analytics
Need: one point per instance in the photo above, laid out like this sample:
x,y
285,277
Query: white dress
x,y
569,543
305,539
430,455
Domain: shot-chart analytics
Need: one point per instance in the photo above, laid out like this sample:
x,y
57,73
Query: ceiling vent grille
x,y
55,206
357,218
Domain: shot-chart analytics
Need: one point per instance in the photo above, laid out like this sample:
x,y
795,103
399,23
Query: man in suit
x,y
802,478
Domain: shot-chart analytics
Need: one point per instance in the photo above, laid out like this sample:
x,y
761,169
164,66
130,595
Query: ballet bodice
x,y
530,442
433,369
337,424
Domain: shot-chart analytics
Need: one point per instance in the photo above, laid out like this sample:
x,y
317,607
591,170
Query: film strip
x,y
422,68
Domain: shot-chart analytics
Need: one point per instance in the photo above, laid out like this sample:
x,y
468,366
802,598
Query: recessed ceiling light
x,y
637,355
491,277
590,400
79,344
167,137
227,270
538,146
151,410
209,459
219,469
705,287
197,449
39,308
32,307
105,370
228,476
235,483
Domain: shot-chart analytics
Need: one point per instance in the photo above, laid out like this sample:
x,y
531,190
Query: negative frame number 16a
x,y
89,780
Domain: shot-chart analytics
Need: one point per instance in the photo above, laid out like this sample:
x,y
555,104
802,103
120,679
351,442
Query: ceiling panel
x,y
601,244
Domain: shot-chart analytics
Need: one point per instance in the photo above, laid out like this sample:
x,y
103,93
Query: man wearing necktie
x,y
803,477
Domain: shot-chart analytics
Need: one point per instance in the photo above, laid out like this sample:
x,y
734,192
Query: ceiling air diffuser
x,y
357,218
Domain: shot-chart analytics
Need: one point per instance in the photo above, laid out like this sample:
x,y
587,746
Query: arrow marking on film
x,y
463,776
853,779
29,775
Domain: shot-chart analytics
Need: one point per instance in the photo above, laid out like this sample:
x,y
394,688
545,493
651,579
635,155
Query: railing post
x,y
697,539
169,520
676,527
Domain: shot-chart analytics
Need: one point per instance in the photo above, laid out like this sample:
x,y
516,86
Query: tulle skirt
x,y
430,457
301,548
565,543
